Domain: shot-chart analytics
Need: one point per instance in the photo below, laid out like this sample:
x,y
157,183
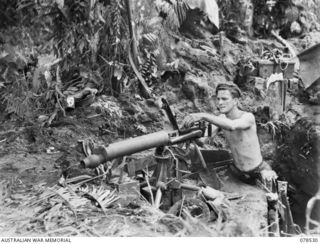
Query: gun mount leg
x,y
157,201
167,166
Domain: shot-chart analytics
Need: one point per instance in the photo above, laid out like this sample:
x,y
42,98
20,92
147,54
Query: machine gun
x,y
130,146
170,171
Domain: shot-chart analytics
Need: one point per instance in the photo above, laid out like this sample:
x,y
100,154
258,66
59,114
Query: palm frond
x,y
181,8
103,197
274,127
18,104
151,39
150,67
71,198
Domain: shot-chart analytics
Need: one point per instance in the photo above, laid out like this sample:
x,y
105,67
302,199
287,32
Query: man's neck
x,y
234,113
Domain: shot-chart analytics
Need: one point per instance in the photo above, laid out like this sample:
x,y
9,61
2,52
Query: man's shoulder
x,y
248,117
247,114
243,114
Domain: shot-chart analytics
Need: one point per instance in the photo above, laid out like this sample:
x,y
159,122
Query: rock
x,y
184,66
211,193
129,192
215,80
295,28
143,118
171,97
154,116
189,91
42,118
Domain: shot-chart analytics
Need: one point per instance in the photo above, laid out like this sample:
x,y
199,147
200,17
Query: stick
x,y
266,189
181,205
149,187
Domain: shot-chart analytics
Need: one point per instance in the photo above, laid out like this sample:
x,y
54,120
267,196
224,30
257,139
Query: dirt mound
x,y
297,160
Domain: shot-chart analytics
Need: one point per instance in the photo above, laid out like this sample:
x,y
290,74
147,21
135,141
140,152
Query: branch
x,y
132,35
146,91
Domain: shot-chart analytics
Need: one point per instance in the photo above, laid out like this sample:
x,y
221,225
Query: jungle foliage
x,y
51,49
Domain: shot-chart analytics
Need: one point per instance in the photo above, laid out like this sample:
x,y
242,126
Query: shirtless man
x,y
240,130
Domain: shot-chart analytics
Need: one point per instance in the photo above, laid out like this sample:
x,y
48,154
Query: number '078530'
x,y
308,240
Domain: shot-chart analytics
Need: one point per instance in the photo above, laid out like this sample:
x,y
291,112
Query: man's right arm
x,y
244,122
202,142
190,119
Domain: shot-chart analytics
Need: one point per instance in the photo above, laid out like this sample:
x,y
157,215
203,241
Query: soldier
x,y
240,130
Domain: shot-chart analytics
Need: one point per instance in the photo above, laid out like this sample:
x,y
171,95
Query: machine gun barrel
x,y
125,147
137,144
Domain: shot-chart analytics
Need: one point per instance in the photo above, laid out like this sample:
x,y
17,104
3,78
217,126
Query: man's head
x,y
227,97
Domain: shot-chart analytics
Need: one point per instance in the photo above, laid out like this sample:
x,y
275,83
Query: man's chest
x,y
234,137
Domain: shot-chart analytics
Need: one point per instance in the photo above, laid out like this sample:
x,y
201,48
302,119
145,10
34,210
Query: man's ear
x,y
236,101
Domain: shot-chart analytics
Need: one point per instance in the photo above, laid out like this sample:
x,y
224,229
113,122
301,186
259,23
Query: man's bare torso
x,y
245,148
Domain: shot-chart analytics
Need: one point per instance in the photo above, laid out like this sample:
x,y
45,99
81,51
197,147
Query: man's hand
x,y
191,119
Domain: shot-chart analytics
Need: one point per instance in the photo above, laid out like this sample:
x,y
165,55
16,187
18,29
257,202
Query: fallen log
x,y
206,56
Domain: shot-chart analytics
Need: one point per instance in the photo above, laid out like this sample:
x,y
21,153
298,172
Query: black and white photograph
x,y
159,118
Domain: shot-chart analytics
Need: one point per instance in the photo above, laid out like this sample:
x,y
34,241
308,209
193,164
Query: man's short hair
x,y
233,88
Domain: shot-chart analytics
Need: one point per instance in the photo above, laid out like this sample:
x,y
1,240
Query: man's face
x,y
225,101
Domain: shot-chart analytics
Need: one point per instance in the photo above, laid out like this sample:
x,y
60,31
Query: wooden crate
x,y
266,68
